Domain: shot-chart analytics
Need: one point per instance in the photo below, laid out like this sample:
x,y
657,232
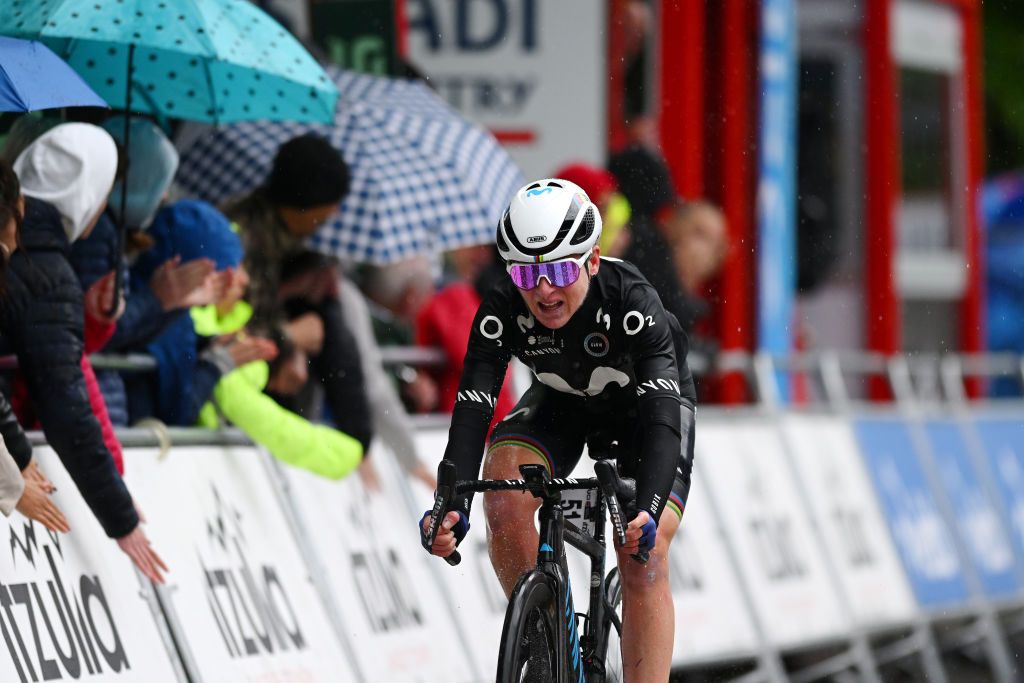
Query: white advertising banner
x,y
532,71
239,595
72,606
853,529
472,589
391,608
712,619
745,468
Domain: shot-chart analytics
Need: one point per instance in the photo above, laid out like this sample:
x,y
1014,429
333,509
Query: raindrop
x,y
91,64
150,87
178,41
193,62
74,15
137,35
94,29
152,56
172,75
170,105
191,93
110,81
117,22
159,27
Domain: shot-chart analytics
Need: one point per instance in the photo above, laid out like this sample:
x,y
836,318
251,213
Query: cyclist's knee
x,y
503,461
638,576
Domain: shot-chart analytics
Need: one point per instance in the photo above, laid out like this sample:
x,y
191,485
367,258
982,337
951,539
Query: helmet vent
x,y
500,239
534,186
556,185
586,229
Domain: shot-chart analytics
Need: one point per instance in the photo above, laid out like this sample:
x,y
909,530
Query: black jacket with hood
x,y
42,319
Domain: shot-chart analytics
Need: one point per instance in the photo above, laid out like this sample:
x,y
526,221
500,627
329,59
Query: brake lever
x,y
443,497
606,477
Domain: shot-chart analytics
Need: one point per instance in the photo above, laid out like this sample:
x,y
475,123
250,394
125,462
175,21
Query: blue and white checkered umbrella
x,y
424,179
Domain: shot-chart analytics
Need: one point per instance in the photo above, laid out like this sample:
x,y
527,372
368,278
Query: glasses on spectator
x,y
558,273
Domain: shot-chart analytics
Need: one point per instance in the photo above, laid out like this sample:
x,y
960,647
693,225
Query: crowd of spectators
x,y
247,327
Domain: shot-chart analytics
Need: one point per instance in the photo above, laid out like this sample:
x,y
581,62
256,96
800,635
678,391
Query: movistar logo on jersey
x,y
537,191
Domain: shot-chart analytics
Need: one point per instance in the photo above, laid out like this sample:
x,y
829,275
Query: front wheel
x,y
528,638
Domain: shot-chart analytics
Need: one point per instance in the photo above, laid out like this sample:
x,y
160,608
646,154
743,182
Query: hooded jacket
x,y
42,319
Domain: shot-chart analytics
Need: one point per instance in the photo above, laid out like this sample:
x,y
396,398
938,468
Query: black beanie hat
x,y
307,172
644,179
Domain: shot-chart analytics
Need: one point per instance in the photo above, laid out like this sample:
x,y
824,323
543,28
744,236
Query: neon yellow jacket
x,y
239,398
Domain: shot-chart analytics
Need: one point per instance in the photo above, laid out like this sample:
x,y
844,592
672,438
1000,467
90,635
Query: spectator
x,y
644,180
602,188
699,245
678,252
238,399
402,289
188,366
306,182
22,485
390,418
154,303
445,322
66,175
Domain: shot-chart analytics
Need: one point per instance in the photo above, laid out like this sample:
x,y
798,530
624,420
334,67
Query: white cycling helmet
x,y
548,220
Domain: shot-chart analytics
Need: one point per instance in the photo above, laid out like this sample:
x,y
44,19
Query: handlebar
x,y
618,492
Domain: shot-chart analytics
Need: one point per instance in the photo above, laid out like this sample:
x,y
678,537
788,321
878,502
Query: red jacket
x,y
445,322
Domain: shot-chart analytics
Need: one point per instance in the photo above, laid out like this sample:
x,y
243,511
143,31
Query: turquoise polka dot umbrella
x,y
205,60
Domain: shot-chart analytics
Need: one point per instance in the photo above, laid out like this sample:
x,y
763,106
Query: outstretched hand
x,y
136,546
35,503
177,285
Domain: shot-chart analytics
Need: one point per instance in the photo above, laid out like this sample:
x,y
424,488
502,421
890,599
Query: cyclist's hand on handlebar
x,y
454,528
641,534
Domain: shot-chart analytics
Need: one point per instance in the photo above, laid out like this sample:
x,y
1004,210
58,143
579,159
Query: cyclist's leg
x,y
536,432
648,617
511,532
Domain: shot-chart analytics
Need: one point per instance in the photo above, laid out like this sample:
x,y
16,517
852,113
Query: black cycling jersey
x,y
620,350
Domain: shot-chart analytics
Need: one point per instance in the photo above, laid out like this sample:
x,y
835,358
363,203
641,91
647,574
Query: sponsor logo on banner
x,y
386,589
57,626
250,605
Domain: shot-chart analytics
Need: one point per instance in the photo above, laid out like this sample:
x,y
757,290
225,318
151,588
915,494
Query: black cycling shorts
x,y
556,425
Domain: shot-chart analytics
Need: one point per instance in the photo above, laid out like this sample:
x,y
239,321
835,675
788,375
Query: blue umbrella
x,y
424,179
33,78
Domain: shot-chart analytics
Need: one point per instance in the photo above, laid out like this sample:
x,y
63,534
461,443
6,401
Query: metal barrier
x,y
835,538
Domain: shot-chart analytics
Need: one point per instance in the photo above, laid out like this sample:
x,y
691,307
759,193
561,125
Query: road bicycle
x,y
540,640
